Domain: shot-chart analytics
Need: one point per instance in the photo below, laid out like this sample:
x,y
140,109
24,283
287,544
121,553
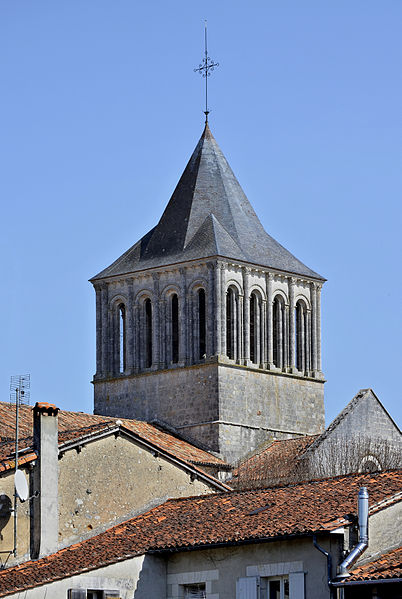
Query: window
x,y
194,591
201,324
302,337
231,323
255,328
274,588
122,338
148,333
92,594
278,329
175,328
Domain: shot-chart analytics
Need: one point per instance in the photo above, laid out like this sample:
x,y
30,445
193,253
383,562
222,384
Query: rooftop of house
x,y
385,567
233,518
208,215
273,462
77,425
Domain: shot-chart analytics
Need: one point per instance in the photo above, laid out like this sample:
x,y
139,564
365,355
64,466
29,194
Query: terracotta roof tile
x,y
229,518
273,464
387,566
74,425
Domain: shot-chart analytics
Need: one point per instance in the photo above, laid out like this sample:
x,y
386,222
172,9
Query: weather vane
x,y
205,69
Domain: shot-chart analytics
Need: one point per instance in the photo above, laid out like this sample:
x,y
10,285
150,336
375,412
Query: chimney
x,y
45,479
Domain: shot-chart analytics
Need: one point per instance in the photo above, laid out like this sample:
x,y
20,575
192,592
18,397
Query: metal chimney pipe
x,y
362,507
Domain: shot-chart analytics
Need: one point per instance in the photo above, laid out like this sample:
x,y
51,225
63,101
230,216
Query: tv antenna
x,y
20,386
205,69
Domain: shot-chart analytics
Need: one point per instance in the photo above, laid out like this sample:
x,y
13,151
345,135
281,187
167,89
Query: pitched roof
x,y
208,215
220,519
272,464
385,567
362,395
77,425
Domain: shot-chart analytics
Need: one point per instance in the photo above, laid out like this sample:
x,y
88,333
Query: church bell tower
x,y
208,324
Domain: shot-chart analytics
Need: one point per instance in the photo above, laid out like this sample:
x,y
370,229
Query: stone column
x,y
183,322
98,292
163,332
270,322
105,368
136,337
193,326
292,336
218,308
156,322
286,337
263,333
246,314
308,341
313,288
210,312
318,326
223,308
240,328
129,328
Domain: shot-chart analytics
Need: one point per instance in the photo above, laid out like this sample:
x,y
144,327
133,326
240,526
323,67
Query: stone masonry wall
x,y
229,409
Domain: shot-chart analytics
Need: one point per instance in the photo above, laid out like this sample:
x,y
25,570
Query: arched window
x,y
231,323
278,330
122,338
148,333
302,337
202,324
255,328
175,328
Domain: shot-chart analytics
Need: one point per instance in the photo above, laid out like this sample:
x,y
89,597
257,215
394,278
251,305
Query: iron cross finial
x,y
205,69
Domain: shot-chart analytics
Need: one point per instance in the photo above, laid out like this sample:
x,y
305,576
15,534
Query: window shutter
x,y
246,588
77,594
296,585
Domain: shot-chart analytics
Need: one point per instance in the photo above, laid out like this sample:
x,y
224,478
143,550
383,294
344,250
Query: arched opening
x,y
231,323
202,325
148,333
175,328
278,330
302,337
122,338
255,328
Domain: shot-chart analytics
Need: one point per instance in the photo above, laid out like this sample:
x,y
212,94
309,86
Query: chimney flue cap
x,y
45,408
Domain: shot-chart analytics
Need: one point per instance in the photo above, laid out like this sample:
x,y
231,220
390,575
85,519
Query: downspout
x,y
363,535
329,563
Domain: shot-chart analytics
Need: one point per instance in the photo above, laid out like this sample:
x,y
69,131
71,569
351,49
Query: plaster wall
x,y
7,521
221,568
112,479
385,532
142,577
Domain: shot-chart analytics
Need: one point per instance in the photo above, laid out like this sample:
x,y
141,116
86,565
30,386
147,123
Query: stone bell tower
x,y
208,324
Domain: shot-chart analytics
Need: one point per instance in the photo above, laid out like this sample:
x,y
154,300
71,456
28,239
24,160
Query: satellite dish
x,y
21,485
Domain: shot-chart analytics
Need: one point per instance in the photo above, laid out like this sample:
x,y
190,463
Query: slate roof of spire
x,y
207,215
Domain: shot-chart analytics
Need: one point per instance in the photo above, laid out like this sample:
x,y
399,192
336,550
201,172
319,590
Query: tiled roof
x,y
221,519
273,464
76,425
207,215
385,567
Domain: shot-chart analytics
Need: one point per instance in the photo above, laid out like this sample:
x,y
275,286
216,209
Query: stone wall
x,y
229,409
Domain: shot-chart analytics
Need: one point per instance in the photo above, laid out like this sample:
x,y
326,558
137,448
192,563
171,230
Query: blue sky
x,y
100,111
